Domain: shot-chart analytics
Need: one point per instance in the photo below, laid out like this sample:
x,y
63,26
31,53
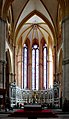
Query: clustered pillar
x,y
40,69
65,28
2,53
65,37
30,68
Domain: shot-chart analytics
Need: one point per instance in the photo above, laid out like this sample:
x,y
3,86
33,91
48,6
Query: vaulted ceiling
x,y
23,10
18,6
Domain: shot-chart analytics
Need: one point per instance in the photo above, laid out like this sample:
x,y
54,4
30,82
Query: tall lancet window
x,y
25,68
45,66
35,67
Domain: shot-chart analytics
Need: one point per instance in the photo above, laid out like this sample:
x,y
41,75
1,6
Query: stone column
x,y
14,49
50,64
65,33
65,37
40,69
2,53
20,69
43,69
50,72
30,68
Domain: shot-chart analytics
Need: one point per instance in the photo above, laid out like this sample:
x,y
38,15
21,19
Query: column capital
x,y
65,19
3,61
65,8
65,61
3,20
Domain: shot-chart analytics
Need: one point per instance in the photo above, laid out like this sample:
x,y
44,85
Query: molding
x,y
65,61
65,19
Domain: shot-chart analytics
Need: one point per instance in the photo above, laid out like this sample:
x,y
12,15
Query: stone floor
x,y
60,116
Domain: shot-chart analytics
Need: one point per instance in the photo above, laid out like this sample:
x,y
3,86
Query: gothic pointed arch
x,y
35,12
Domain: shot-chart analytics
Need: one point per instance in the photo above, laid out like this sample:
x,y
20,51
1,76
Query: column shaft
x,y
30,68
2,53
40,69
65,34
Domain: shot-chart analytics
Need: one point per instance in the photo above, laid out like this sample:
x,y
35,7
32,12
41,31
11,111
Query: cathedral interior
x,y
34,51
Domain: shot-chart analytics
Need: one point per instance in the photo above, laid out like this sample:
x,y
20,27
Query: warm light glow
x,y
35,19
11,56
50,69
51,75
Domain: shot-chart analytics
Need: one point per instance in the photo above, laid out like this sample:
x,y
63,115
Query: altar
x,y
33,111
32,107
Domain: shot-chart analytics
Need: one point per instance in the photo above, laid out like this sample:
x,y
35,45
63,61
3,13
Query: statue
x,y
34,97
